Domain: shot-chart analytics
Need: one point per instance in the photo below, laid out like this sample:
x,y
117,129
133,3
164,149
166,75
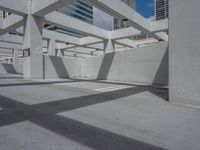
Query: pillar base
x,y
34,67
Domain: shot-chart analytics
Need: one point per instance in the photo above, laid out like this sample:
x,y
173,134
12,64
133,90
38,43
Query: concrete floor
x,y
82,115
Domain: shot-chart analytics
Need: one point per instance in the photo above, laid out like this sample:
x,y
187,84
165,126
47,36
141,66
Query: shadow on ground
x,y
45,115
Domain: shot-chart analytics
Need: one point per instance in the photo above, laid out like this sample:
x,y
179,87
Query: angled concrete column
x,y
15,56
52,47
61,52
33,65
184,51
109,46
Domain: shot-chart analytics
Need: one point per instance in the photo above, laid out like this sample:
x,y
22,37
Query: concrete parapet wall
x,y
148,65
11,68
58,67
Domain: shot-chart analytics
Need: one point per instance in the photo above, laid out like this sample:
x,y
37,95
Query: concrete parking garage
x,y
97,89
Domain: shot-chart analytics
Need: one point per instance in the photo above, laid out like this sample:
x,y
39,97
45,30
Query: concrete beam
x,y
124,33
89,40
10,38
119,9
11,23
43,7
67,22
158,26
19,7
127,42
60,37
7,45
163,35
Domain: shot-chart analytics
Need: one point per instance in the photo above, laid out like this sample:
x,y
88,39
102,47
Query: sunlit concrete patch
x,y
148,120
35,94
95,86
51,80
112,88
29,136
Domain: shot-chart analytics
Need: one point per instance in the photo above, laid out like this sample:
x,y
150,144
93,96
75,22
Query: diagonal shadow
x,y
9,68
59,67
65,104
105,66
162,72
11,77
83,101
88,135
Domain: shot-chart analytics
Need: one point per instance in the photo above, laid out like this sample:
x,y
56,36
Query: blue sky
x,y
145,7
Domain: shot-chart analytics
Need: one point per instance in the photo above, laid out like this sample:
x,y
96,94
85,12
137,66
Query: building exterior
x,y
80,10
161,9
120,23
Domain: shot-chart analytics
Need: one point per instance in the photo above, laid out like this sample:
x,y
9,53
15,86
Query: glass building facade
x,y
80,10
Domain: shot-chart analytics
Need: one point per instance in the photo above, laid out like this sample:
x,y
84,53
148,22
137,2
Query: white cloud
x,y
150,3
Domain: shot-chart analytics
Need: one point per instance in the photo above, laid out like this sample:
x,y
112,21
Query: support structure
x,y
184,52
52,47
33,65
15,56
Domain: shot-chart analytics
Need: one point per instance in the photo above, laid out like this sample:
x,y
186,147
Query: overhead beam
x,y
124,33
67,22
127,42
60,37
10,23
120,10
158,26
43,7
11,38
19,7
89,40
7,45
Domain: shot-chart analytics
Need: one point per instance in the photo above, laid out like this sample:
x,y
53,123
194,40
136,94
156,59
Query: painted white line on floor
x,y
112,88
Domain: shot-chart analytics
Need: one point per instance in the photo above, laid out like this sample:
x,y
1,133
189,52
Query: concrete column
x,y
33,65
184,51
33,34
61,52
15,56
109,46
52,47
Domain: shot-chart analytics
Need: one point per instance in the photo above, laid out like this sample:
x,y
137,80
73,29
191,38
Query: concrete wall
x,y
140,65
11,68
58,67
184,51
148,65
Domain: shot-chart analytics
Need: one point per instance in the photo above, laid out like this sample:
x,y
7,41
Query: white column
x,y
15,56
34,64
61,52
33,34
109,46
52,47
